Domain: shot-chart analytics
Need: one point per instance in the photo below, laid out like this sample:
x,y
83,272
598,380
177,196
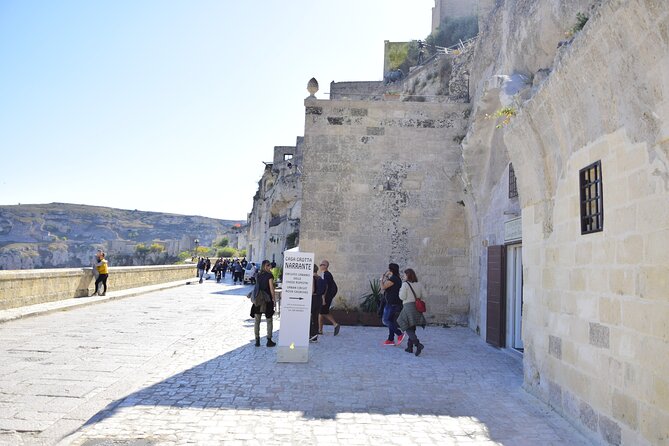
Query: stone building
x,y
548,234
454,9
274,222
381,184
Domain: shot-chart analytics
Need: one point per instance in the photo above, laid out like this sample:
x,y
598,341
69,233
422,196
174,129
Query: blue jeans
x,y
390,313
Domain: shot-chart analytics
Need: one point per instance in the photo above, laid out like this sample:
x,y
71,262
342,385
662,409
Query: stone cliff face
x,y
589,300
66,235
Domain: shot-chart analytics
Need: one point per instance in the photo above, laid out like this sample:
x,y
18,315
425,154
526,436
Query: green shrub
x,y
227,252
452,30
202,251
141,249
581,20
222,243
370,301
156,248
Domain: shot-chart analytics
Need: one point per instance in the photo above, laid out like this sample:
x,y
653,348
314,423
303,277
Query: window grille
x,y
513,187
592,203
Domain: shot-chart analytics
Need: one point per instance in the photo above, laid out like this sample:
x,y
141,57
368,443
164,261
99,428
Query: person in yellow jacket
x,y
102,268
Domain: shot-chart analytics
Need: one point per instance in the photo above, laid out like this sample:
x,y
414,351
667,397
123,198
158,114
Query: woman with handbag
x,y
412,294
264,302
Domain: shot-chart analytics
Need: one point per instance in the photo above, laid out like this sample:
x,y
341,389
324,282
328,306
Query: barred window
x,y
513,188
592,203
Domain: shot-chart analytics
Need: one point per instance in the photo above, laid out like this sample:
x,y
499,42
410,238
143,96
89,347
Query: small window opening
x,y
592,202
513,187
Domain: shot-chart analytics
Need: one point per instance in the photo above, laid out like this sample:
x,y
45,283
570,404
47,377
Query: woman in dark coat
x,y
410,318
264,283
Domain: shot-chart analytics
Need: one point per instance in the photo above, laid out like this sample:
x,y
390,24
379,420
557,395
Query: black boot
x,y
257,342
270,343
409,348
419,348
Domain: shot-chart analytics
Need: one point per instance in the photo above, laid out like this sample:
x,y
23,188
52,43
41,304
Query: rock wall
x,y
67,235
274,222
595,305
381,184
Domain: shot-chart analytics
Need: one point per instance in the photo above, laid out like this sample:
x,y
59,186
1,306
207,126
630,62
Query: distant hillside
x,y
67,235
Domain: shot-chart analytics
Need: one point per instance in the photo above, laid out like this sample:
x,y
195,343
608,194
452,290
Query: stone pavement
x,y
178,366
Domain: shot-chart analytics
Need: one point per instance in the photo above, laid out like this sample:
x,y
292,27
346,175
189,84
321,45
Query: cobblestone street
x,y
178,366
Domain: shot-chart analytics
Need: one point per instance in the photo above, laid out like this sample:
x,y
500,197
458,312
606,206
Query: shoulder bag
x,y
420,303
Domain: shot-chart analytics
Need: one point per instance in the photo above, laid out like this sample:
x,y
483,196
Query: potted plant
x,y
343,312
370,305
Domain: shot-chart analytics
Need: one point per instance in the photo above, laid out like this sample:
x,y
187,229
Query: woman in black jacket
x,y
264,284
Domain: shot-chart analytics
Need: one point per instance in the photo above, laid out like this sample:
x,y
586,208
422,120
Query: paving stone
x,y
178,366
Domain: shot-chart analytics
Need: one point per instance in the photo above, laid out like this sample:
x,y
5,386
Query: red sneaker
x,y
400,338
386,342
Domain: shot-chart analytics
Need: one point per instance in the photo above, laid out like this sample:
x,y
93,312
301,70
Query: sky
x,y
172,106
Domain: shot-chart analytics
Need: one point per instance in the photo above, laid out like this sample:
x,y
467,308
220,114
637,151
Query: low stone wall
x,y
27,287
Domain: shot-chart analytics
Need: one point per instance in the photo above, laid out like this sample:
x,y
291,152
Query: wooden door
x,y
495,302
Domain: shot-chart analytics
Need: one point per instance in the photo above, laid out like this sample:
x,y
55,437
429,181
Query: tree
x,y
141,249
156,248
202,251
227,252
222,243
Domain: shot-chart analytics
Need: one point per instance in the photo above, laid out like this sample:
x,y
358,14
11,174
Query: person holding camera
x,y
391,284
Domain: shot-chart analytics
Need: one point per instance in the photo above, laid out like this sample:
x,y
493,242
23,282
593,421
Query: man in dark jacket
x,y
200,268
327,298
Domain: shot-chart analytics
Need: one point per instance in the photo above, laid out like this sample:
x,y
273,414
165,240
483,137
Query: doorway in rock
x,y
514,296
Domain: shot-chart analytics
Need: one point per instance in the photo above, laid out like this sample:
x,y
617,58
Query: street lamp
x,y
197,243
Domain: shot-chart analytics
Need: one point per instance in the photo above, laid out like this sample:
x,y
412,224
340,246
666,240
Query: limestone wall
x,y
27,287
381,185
277,206
358,91
452,9
596,306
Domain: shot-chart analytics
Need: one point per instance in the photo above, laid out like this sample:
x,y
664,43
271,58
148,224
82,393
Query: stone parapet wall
x,y
28,287
381,185
359,91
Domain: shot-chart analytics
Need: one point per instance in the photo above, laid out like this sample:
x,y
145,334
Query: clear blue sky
x,y
171,106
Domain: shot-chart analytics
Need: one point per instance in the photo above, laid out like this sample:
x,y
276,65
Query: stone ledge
x,y
30,287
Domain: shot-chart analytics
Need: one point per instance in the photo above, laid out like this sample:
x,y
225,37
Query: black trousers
x,y
102,278
316,302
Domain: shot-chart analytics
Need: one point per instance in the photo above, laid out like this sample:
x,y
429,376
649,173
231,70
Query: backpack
x,y
332,287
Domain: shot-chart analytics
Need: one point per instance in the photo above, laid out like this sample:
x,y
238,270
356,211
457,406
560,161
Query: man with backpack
x,y
327,298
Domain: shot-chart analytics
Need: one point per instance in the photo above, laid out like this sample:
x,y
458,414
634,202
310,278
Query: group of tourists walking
x,y
263,301
235,266
398,309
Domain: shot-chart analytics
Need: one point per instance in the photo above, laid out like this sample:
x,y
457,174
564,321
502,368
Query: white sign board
x,y
298,268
